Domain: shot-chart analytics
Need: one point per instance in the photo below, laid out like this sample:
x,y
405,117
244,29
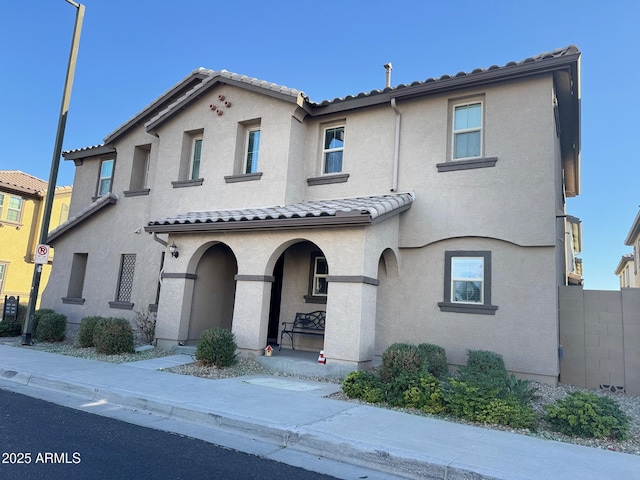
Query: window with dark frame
x,y
318,273
106,177
467,282
125,280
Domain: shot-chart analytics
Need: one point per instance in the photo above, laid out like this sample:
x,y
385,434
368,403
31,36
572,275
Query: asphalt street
x,y
42,440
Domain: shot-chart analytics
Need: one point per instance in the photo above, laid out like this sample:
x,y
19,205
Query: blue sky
x,y
131,51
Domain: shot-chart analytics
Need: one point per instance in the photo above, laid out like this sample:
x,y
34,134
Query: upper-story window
x,y
333,149
140,168
196,155
467,130
106,177
14,209
253,149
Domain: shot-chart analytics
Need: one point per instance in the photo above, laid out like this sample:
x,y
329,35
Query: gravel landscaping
x,y
546,394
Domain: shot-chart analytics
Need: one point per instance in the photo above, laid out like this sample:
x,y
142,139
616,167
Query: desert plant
x,y
50,327
586,414
521,389
145,322
401,359
87,331
436,359
112,336
217,346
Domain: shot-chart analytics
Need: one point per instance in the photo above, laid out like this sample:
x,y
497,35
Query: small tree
x,y
146,325
217,346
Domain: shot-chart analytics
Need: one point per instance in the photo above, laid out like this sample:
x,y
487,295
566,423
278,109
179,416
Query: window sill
x,y
136,193
467,308
73,300
9,223
187,183
326,179
314,299
121,305
243,177
470,164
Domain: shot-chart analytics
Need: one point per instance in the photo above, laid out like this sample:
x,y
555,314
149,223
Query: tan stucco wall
x,y
510,209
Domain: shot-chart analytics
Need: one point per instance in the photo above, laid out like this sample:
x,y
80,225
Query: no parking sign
x,y
42,254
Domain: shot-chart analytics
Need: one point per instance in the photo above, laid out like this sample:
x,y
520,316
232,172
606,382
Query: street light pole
x,y
55,163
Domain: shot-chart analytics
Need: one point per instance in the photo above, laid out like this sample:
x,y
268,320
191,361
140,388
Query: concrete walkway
x,y
290,420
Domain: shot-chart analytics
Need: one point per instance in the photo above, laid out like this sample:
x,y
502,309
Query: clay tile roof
x,y
345,211
22,182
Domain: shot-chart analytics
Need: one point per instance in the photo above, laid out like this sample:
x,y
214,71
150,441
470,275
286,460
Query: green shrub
x,y
217,346
436,359
365,386
10,328
588,415
485,370
395,390
401,359
112,336
87,331
475,403
426,394
50,327
37,315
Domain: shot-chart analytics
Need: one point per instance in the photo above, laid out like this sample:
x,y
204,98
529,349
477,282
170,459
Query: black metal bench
x,y
305,324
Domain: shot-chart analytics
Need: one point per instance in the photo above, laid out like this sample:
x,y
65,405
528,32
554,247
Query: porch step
x,y
302,363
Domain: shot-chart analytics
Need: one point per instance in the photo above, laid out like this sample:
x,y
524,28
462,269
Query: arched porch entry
x,y
385,317
214,291
300,285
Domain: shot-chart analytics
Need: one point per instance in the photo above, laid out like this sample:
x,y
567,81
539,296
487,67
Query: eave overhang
x,y
357,212
634,232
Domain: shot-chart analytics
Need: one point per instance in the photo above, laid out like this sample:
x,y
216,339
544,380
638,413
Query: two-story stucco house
x,y
22,202
431,212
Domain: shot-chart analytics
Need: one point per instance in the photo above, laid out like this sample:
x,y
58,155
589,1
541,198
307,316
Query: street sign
x,y
42,254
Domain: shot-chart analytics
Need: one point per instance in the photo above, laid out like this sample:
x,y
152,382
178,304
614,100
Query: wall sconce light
x,y
173,249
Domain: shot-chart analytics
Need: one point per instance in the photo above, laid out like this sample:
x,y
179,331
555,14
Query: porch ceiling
x,y
359,211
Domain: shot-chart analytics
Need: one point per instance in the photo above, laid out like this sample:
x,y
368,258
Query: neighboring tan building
x,y
22,199
633,240
430,212
626,271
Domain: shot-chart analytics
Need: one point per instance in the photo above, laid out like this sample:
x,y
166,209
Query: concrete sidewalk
x,y
290,420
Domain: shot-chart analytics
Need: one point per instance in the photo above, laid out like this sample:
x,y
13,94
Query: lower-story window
x,y
467,282
125,282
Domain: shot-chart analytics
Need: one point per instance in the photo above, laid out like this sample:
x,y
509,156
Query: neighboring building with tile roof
x,y
432,213
22,198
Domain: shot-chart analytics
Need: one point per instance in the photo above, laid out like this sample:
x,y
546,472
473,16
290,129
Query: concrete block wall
x,y
600,338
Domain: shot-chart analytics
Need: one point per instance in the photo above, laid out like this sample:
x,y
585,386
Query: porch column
x,y
251,313
351,321
174,305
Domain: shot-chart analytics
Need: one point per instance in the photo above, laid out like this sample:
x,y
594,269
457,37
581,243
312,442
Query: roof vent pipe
x,y
388,67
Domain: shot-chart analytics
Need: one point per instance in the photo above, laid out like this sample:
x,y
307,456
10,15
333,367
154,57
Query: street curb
x,y
300,438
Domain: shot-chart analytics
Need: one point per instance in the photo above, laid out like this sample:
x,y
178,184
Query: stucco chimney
x,y
388,67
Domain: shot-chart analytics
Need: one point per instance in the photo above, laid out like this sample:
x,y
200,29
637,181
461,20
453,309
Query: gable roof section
x,y
360,211
224,77
20,182
83,215
187,84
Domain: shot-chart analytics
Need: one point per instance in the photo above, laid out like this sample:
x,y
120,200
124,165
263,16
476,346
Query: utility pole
x,y
55,163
